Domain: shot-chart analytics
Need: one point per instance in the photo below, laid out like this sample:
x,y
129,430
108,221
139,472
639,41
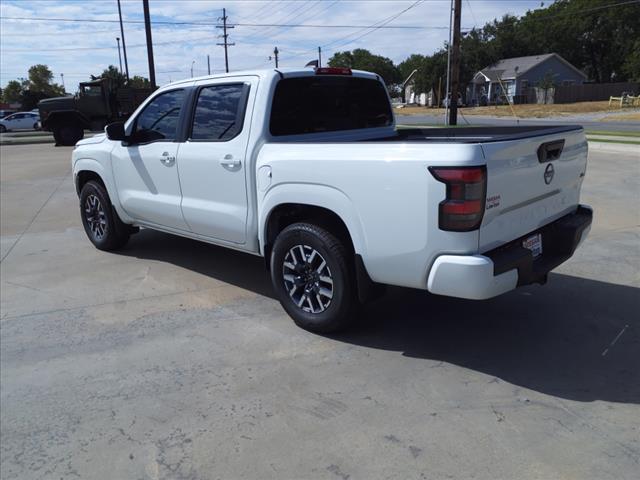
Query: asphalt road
x,y
587,121
171,360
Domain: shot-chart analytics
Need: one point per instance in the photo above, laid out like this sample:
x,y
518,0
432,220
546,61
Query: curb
x,y
614,147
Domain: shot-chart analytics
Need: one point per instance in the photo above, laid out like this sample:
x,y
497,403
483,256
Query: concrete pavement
x,y
171,360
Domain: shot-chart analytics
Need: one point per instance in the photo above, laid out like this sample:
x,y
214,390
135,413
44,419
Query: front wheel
x,y
312,276
101,223
68,135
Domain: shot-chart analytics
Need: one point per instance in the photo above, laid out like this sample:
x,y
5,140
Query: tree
x,y
361,59
12,92
117,79
631,67
40,82
139,82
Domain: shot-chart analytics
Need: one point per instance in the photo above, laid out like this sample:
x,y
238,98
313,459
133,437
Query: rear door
x,y
213,161
530,183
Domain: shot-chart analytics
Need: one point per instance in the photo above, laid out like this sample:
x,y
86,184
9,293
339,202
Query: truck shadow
x,y
555,339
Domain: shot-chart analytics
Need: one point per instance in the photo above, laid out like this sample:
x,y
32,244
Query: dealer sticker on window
x,y
534,243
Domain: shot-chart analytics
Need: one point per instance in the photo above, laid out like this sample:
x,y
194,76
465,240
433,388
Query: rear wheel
x,y
101,222
3,129
312,276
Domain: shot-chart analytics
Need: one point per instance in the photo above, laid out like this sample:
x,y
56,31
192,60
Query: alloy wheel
x,y
307,279
95,217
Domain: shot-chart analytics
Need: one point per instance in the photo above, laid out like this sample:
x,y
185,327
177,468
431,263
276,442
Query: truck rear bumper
x,y
478,277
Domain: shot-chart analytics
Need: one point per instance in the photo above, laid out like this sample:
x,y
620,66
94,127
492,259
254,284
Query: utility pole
x,y
147,29
455,64
447,84
275,56
225,36
319,57
124,46
192,63
208,66
62,79
119,54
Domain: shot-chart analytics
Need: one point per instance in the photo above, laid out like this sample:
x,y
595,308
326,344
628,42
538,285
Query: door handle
x,y
167,160
229,162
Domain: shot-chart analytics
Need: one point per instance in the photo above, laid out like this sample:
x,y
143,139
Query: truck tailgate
x,y
530,183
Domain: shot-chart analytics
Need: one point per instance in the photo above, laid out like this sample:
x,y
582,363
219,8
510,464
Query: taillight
x,y
463,208
333,71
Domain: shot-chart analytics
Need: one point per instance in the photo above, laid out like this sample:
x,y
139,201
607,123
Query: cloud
x,y
91,47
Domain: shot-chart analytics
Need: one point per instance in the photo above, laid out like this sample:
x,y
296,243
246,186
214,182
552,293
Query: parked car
x,y
5,113
306,169
20,121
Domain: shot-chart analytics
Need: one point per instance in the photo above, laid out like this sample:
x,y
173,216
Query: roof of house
x,y
510,68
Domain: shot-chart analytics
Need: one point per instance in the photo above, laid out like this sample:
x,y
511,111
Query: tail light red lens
x,y
463,208
333,71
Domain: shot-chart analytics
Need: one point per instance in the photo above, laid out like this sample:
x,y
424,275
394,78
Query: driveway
x,y
171,359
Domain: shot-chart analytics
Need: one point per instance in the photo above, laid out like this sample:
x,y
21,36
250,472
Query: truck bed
x,y
475,134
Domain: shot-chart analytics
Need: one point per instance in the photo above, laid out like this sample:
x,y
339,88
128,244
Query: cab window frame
x,y
131,128
240,113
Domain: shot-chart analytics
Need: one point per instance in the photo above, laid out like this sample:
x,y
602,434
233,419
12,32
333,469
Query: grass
x,y
529,110
631,116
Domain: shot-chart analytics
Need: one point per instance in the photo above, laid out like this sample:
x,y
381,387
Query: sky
x,y
79,48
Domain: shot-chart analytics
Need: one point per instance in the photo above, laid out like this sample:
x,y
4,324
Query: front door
x,y
146,172
213,163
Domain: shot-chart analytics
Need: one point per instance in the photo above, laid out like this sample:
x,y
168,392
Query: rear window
x,y
328,104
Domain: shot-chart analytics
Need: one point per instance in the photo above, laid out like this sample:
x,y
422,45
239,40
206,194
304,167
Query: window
x,y
566,83
159,119
328,104
92,90
219,112
524,84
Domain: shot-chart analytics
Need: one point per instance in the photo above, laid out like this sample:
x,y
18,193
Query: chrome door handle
x,y
229,162
167,160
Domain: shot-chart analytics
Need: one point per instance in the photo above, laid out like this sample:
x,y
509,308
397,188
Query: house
x,y
410,96
512,77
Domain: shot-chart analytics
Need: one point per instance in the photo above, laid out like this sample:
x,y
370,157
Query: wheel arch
x,y
304,201
87,169
323,206
62,117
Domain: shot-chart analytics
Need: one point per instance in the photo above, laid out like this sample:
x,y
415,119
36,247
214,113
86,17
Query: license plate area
x,y
533,243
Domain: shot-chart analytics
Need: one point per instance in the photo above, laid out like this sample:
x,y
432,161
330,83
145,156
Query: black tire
x,y
3,129
101,222
68,135
318,312
36,126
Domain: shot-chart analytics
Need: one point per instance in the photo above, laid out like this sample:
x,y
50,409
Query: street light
x,y
192,63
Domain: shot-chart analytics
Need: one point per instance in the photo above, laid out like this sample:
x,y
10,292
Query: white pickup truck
x,y
307,169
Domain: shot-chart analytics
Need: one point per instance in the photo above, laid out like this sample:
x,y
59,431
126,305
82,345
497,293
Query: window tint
x,y
328,104
159,119
219,112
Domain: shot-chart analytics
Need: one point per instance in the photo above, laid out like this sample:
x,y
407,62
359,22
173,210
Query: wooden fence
x,y
590,92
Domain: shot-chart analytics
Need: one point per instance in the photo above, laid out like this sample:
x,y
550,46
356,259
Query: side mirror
x,y
115,131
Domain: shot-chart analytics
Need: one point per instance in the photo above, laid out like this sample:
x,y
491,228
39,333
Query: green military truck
x,y
94,106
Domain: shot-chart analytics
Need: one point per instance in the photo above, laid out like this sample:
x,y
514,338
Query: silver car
x,y
20,121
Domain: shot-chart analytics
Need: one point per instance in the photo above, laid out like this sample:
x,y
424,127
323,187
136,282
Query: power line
x,y
73,49
383,24
216,24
